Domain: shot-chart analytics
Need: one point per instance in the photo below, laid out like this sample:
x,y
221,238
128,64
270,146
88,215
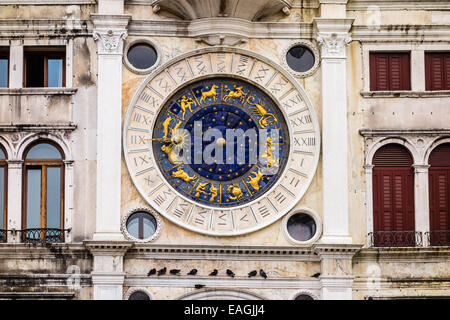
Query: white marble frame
x,y
130,212
420,163
305,292
16,55
417,65
15,177
213,294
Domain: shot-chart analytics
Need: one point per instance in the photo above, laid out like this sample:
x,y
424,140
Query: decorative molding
x,y
46,2
30,251
306,292
336,251
58,29
405,94
401,33
129,213
107,248
110,32
38,91
311,46
408,132
212,28
251,10
223,282
238,253
36,127
403,255
333,36
389,5
220,294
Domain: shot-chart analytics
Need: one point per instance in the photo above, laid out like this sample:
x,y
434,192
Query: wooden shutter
x,y
437,71
439,192
393,189
390,71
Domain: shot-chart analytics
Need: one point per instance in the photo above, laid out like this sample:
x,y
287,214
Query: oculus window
x,y
44,66
43,216
301,227
300,58
139,295
142,56
141,225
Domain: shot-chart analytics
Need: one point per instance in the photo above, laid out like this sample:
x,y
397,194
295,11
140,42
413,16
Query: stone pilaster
x,y
109,32
336,276
107,272
421,200
14,199
333,37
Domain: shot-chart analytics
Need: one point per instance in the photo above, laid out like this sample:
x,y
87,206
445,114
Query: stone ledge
x,y
397,132
405,94
36,127
404,254
38,91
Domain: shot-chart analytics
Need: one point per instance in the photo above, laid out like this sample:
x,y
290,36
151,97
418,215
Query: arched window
x,y
43,207
3,194
393,197
439,191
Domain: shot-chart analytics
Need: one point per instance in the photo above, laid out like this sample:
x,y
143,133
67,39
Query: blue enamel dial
x,y
221,142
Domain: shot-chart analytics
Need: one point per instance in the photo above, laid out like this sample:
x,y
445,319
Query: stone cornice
x,y
407,132
417,254
36,127
340,251
46,2
221,26
386,5
160,251
38,91
401,33
108,248
50,251
37,28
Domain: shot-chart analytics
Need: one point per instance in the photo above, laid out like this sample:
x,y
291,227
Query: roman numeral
x,y
149,180
140,118
280,198
300,142
164,84
278,86
242,66
261,73
200,65
292,102
137,139
161,198
180,209
221,62
223,221
140,160
294,182
200,218
181,74
302,120
263,211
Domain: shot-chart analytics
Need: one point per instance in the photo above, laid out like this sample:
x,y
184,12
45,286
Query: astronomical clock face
x,y
221,143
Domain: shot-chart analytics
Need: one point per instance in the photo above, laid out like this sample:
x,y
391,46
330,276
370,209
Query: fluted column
x,y
421,200
14,199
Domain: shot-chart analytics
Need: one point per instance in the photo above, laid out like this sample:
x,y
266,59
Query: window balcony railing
x,y
438,237
395,239
3,234
43,235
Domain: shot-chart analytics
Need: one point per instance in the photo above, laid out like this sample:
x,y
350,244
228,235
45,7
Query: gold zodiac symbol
x,y
260,110
171,155
177,126
210,93
254,181
181,174
201,189
238,94
186,103
236,192
213,192
166,124
271,159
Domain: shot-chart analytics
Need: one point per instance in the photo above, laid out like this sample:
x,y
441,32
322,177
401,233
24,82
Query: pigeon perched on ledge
x,y
252,273
162,271
263,274
214,272
151,272
193,272
230,273
199,286
175,271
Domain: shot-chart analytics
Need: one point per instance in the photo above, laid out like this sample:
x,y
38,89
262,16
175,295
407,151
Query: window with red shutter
x,y
390,71
439,195
437,71
393,197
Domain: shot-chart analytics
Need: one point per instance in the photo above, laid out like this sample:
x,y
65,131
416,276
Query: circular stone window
x,y
304,297
141,56
139,295
141,225
302,58
302,227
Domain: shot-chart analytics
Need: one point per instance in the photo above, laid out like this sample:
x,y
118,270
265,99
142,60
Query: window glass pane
x,y
133,226
2,195
149,226
53,197
55,72
43,151
301,227
34,70
33,198
2,154
300,58
139,295
3,73
142,56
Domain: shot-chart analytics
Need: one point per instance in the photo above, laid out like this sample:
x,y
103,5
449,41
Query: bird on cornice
x,y
230,273
151,272
193,272
263,273
162,271
214,272
252,273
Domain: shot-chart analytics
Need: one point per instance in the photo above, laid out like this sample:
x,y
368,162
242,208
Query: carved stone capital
x,y
109,41
333,44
